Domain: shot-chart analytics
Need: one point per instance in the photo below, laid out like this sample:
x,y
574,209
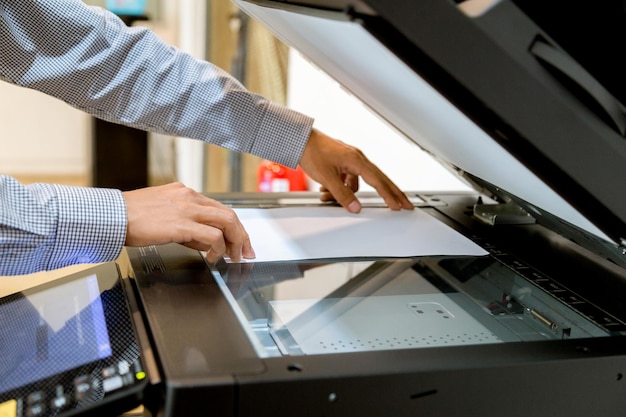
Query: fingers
x,y
393,196
338,166
174,213
230,235
342,193
238,242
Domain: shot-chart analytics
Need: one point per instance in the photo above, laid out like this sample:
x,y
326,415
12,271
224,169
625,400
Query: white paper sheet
x,y
298,233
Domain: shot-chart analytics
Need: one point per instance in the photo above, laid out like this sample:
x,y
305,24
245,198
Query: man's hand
x,y
338,166
175,213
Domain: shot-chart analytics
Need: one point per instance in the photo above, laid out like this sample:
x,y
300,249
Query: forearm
x,y
45,227
91,60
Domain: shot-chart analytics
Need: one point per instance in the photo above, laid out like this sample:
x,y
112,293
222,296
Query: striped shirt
x,y
90,59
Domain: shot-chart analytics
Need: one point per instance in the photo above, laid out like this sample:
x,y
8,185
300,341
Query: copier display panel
x,y
69,345
55,330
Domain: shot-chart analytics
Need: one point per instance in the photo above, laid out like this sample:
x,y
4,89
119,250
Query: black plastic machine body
x,y
521,101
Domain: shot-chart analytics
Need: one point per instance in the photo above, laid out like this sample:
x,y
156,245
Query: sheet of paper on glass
x,y
297,233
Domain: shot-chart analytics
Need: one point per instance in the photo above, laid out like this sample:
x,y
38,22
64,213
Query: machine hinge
x,y
505,213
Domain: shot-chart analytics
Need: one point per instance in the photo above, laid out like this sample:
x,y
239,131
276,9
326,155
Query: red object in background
x,y
273,177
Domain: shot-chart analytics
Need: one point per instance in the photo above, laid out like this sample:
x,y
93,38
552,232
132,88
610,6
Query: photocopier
x,y
524,101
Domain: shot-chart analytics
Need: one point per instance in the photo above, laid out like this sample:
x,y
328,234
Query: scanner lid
x,y
504,92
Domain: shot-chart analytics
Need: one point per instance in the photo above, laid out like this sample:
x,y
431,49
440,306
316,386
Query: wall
x,y
41,135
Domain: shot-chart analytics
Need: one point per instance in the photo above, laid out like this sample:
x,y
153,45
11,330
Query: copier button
x,y
35,397
59,403
123,367
82,387
60,400
109,371
35,410
113,383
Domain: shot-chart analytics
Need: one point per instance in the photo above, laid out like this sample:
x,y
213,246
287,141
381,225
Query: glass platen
x,y
310,308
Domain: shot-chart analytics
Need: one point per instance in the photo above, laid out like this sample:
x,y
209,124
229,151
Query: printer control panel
x,y
69,347
71,391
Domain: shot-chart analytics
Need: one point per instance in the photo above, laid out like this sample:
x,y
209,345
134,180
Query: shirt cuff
x,y
91,226
282,136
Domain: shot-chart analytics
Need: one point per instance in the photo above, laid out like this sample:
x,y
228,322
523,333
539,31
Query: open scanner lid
x,y
489,89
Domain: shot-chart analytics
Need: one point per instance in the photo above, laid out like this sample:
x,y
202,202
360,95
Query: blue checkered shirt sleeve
x,y
46,226
88,58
